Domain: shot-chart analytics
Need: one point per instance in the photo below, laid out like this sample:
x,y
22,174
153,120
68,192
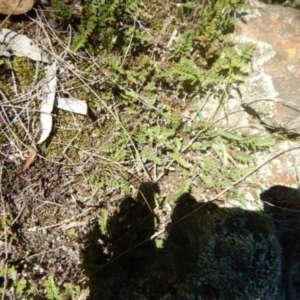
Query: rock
x,y
225,253
272,91
282,204
16,7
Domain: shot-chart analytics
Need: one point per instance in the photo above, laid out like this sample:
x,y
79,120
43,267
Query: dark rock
x,y
225,254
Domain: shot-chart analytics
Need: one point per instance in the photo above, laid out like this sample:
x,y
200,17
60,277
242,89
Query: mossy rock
x,y
225,253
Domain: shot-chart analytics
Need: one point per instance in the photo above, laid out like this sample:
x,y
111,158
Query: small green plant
x,y
53,292
234,152
62,12
186,188
103,221
103,22
16,284
203,57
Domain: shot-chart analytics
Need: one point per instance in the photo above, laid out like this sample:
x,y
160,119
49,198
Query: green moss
x,y
25,70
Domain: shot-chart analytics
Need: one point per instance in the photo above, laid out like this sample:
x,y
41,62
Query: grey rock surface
x,y
272,91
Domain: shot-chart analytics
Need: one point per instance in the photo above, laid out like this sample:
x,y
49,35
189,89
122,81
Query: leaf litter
x,y
15,44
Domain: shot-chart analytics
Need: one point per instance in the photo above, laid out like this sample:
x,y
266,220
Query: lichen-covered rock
x,y
226,254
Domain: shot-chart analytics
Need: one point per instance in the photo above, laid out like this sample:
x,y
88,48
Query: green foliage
x,y
103,21
148,154
21,286
238,173
52,290
231,157
88,24
180,160
155,134
62,12
186,188
226,68
24,289
203,56
102,221
117,148
249,143
254,143
218,17
186,46
208,165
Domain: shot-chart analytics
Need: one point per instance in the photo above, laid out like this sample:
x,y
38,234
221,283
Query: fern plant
x,y
89,21
206,55
103,22
62,12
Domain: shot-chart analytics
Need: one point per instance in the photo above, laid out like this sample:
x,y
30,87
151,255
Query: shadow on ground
x,y
210,253
283,205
